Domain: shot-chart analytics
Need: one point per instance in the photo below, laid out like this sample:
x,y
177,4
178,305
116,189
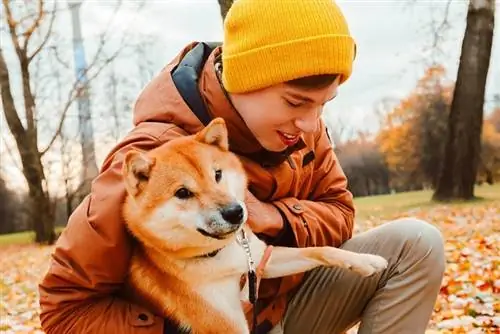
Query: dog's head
x,y
186,196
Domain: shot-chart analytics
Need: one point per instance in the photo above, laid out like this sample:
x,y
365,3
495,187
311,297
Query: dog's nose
x,y
233,213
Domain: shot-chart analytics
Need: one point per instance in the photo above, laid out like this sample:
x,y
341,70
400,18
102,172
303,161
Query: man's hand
x,y
247,306
263,217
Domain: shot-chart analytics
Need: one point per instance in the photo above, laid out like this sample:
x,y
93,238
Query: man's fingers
x,y
263,262
262,265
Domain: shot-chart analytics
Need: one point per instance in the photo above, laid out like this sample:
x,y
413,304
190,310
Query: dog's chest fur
x,y
217,279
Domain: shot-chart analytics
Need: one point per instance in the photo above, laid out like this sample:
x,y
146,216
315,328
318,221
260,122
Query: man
x,y
280,62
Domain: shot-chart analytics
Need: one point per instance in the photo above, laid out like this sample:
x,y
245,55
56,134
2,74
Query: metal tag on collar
x,y
252,277
243,240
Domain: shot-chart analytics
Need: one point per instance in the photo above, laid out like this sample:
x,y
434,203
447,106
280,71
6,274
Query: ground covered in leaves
x,y
469,301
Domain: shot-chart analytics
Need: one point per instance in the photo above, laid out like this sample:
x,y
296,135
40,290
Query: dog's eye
x,y
183,193
218,175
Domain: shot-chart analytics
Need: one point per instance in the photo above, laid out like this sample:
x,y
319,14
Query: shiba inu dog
x,y
185,206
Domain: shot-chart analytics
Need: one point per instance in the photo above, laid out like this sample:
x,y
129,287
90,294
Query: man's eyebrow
x,y
300,97
307,99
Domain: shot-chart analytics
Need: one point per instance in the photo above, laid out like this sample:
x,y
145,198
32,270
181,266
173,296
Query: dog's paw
x,y
367,264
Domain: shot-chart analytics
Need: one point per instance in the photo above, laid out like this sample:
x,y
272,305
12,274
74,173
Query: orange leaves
x,y
490,153
21,268
469,298
414,132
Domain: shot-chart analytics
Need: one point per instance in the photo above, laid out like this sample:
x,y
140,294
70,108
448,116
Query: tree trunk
x,y
224,7
458,173
41,213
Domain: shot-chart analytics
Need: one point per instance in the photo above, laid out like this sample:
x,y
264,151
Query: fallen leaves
x,y
21,268
468,302
469,299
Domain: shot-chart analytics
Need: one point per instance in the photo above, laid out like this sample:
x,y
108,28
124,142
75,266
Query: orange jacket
x,y
83,290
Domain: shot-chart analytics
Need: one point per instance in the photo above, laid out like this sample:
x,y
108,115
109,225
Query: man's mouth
x,y
288,139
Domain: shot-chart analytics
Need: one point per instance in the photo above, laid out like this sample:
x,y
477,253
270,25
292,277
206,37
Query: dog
x,y
185,207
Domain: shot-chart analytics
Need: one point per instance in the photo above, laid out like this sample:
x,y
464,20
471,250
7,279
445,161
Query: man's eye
x,y
293,104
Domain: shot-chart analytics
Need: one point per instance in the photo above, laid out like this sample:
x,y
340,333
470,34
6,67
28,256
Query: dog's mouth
x,y
217,236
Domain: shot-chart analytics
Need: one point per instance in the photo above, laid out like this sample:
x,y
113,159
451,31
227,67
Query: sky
x,y
392,37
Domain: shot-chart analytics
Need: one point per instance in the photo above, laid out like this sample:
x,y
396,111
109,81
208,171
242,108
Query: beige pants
x,y
399,300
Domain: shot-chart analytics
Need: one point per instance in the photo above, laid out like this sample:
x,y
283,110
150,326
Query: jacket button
x,y
143,316
297,207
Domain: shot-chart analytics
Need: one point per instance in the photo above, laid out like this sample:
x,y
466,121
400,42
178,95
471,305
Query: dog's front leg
x,y
286,261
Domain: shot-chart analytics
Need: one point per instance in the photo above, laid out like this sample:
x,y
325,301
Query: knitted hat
x,y
267,42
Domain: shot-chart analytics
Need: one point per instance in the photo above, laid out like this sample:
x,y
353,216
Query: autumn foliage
x,y
407,153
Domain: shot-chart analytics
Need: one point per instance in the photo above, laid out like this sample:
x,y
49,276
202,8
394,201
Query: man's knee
x,y
424,241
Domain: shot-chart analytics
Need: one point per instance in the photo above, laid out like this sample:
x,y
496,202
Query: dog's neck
x,y
242,240
216,279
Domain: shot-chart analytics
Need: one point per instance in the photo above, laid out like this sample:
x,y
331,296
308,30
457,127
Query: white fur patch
x,y
236,184
170,223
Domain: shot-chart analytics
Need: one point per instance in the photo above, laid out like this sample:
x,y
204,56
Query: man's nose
x,y
309,122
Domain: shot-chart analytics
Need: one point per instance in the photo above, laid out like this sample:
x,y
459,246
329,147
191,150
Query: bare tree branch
x,y
73,94
29,103
12,24
439,30
10,153
29,32
58,57
47,36
9,108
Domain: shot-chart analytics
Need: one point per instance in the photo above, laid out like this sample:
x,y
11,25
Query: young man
x,y
281,61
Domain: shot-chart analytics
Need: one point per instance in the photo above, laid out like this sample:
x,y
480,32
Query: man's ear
x,y
136,171
215,133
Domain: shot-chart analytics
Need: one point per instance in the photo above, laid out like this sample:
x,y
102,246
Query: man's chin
x,y
276,148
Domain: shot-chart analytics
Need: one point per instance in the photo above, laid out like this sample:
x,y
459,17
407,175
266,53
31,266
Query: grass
x,y
381,205
386,205
20,238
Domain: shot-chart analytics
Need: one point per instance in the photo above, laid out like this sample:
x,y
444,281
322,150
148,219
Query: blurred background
x,y
418,119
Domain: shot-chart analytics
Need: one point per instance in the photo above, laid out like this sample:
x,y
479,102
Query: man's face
x,y
280,114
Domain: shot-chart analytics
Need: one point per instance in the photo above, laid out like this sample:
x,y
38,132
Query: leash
x,y
252,278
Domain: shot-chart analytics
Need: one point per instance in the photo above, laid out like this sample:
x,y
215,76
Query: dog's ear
x,y
136,171
215,133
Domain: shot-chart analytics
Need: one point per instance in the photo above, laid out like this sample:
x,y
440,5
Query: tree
x,y
489,164
463,145
37,129
364,166
412,135
26,137
224,7
495,118
9,207
431,126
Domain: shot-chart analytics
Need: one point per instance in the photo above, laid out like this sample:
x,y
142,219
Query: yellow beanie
x,y
267,42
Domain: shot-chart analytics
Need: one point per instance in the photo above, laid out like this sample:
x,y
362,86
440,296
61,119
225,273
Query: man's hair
x,y
314,81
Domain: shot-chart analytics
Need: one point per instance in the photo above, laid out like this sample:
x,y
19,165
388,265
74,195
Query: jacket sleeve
x,y
326,218
79,292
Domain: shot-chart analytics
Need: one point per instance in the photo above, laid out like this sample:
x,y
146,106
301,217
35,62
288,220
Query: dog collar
x,y
211,254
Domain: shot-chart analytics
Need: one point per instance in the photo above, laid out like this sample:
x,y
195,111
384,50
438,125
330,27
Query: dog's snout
x,y
232,213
